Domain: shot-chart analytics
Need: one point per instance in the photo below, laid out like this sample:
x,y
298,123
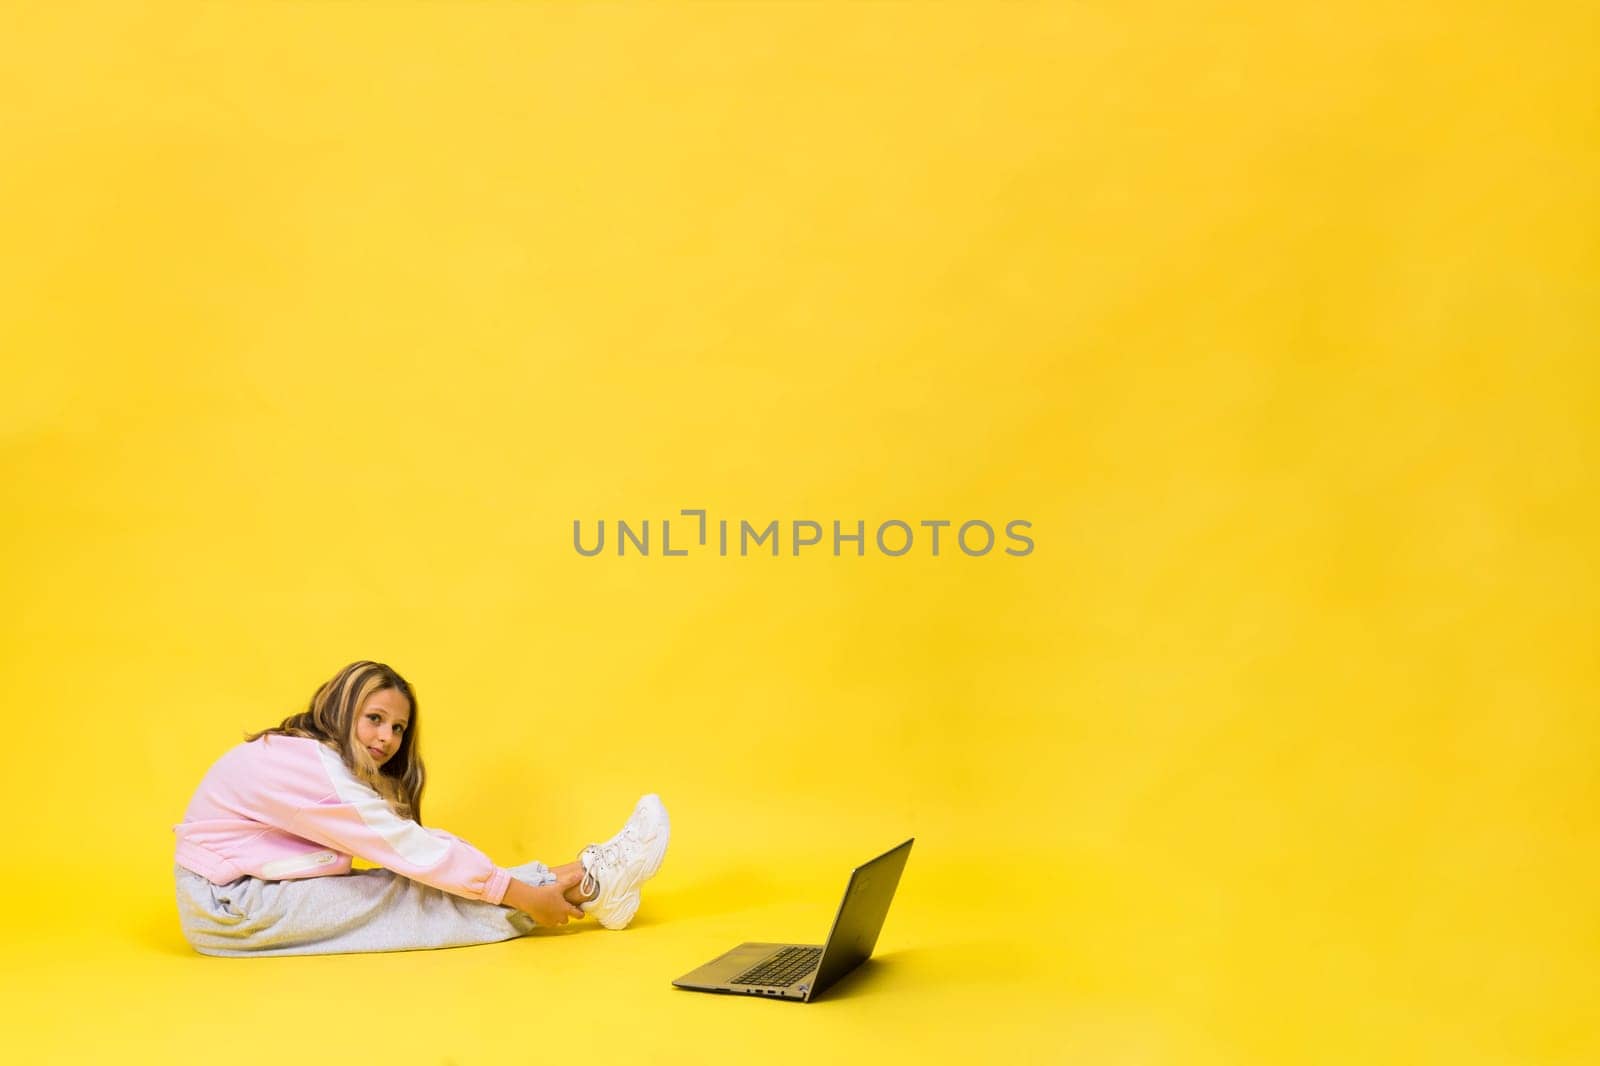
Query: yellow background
x,y
322,322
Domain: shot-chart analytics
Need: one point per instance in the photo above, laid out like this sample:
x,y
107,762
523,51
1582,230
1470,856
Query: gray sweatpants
x,y
364,910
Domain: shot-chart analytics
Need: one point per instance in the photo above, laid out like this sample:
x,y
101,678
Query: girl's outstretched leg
x,y
368,910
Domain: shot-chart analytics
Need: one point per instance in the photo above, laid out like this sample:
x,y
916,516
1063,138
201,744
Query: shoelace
x,y
606,853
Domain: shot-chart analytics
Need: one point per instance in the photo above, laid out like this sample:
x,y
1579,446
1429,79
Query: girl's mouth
x,y
376,754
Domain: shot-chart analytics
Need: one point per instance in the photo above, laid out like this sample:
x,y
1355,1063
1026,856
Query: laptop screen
x,y
860,918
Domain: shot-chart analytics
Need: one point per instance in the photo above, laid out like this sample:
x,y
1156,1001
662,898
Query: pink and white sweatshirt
x,y
281,807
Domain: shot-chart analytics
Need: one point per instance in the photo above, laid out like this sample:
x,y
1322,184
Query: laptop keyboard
x,y
783,968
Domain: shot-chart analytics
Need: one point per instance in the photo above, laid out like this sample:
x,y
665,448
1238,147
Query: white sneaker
x,y
615,870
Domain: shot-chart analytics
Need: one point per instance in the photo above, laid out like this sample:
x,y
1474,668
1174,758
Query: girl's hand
x,y
546,904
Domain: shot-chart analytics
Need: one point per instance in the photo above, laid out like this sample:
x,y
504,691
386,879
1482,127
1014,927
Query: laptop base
x,y
717,975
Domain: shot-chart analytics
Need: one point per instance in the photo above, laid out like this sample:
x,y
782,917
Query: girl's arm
x,y
358,821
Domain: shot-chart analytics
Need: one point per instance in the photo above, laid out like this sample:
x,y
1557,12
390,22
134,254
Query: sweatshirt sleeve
x,y
355,819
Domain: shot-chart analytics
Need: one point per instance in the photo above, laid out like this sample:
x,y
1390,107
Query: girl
x,y
264,849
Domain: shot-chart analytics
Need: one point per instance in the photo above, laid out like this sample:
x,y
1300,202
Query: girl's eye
x,y
399,729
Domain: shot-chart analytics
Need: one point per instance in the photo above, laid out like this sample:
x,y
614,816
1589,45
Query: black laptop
x,y
801,971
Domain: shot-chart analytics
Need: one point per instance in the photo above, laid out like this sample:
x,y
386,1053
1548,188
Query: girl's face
x,y
381,723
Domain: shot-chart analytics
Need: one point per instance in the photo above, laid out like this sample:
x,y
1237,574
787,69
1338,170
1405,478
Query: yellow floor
x,y
945,981
1011,955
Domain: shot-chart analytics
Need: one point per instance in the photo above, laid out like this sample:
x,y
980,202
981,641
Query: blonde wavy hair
x,y
331,718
